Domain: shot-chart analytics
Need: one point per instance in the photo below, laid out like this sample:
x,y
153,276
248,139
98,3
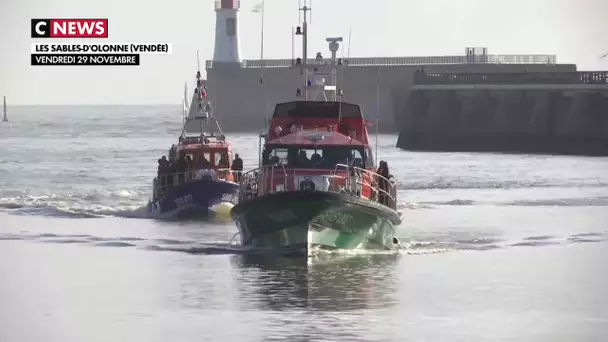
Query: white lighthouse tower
x,y
227,46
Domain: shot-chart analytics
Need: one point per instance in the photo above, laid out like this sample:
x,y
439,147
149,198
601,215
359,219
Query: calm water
x,y
499,247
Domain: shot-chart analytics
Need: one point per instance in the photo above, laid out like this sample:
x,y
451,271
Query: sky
x,y
575,31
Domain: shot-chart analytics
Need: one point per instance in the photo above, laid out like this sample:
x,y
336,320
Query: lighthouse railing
x,y
235,4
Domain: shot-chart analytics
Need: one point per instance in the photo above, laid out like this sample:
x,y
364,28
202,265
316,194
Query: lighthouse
x,y
227,47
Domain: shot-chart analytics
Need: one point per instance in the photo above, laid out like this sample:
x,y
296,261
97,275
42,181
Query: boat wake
x,y
130,204
412,246
445,183
592,201
119,203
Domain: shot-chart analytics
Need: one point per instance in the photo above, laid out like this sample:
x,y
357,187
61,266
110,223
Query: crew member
x,y
171,170
189,168
163,169
205,163
182,167
237,167
354,182
383,183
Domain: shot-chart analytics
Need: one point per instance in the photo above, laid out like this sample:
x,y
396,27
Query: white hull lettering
x,y
183,200
229,198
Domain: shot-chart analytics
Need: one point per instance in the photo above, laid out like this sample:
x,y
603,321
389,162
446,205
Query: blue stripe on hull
x,y
193,199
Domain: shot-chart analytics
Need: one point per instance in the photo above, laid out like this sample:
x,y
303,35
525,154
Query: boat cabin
x,y
318,160
315,149
342,117
317,135
317,145
206,154
314,141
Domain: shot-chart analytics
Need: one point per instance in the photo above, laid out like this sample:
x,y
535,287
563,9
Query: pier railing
x,y
577,77
344,179
396,61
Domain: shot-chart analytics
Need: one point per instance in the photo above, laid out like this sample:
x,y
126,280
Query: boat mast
x,y
185,108
204,106
304,70
377,111
319,83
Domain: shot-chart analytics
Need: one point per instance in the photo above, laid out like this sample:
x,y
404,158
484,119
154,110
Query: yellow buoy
x,y
222,210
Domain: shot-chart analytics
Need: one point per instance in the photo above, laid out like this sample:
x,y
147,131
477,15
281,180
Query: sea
x,y
497,247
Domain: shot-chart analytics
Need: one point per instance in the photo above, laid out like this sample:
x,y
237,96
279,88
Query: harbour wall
x,y
552,113
244,96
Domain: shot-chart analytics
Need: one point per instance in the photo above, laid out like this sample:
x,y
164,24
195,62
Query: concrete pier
x,y
245,93
529,112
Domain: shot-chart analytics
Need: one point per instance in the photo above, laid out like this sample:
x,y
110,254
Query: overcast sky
x,y
574,30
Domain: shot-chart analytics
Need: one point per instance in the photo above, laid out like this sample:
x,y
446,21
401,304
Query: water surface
x,y
498,247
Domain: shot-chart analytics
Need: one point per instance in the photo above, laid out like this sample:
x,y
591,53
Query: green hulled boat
x,y
301,221
316,186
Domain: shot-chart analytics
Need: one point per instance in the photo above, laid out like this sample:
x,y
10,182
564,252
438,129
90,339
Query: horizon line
x,y
92,104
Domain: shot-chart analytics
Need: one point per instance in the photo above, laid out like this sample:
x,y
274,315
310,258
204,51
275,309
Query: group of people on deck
x,y
175,171
171,168
381,181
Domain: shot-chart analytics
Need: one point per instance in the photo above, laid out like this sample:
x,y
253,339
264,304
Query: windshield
x,y
317,109
313,157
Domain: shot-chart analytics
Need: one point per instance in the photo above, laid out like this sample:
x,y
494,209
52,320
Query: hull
x,y
193,199
300,222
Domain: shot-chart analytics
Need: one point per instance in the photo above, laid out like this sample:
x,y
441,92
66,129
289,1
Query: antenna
x,y
261,8
377,110
350,33
304,32
262,62
293,46
185,104
198,61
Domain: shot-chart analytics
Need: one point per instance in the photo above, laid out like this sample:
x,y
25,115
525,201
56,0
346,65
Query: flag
x,y
259,7
204,91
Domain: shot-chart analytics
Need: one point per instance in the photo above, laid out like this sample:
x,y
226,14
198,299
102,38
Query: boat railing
x,y
255,182
161,183
343,178
382,189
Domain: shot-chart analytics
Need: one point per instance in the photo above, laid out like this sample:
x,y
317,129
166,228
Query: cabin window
x,y
314,157
318,109
186,155
221,160
273,156
189,159
203,160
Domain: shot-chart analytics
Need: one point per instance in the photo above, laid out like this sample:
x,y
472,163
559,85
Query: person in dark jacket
x,y
182,167
163,169
237,167
171,171
383,184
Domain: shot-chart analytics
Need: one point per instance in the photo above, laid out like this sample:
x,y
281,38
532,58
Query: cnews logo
x,y
69,28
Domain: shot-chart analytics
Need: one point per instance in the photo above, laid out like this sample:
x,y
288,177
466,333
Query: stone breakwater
x,y
507,120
